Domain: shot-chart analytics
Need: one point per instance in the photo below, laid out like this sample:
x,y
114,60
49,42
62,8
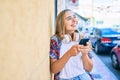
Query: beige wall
x,y
25,29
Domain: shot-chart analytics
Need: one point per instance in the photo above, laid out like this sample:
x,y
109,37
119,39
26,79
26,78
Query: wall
x,y
25,29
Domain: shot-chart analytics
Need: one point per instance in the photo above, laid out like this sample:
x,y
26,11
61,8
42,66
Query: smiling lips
x,y
74,24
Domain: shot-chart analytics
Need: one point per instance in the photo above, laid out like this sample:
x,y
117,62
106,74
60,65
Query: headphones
x,y
68,38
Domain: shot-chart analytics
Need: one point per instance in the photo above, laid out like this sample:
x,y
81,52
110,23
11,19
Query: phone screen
x,y
83,42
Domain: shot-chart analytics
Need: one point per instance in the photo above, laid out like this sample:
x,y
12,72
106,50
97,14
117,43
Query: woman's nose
x,y
74,19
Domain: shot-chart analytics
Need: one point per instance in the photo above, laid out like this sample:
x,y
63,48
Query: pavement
x,y
100,71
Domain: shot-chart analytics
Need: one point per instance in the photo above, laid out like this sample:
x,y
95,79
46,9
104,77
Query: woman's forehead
x,y
69,13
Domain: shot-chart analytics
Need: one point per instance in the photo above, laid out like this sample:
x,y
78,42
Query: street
x,y
105,58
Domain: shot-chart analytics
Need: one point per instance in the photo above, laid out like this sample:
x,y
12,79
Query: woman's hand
x,y
74,50
85,49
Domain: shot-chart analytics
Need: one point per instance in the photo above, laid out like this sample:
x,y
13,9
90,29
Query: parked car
x,y
105,39
115,56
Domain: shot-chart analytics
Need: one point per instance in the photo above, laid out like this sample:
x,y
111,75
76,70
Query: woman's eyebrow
x,y
68,17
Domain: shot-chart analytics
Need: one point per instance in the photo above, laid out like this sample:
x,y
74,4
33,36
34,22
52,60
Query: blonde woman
x,y
68,59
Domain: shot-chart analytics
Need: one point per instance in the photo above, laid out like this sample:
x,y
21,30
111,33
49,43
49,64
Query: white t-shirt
x,y
74,66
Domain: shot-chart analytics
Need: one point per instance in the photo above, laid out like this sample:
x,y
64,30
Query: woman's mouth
x,y
74,24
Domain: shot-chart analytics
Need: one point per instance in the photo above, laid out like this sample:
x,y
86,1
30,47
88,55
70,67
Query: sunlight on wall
x,y
25,29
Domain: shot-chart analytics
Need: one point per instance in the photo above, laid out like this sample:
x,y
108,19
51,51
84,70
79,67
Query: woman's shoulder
x,y
54,37
81,34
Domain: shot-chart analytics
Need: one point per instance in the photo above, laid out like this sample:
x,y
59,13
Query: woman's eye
x,y
75,17
69,18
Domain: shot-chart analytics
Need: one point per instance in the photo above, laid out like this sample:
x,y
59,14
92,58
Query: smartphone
x,y
84,41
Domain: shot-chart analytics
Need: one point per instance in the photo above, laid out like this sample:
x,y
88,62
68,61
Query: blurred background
x,y
99,20
27,25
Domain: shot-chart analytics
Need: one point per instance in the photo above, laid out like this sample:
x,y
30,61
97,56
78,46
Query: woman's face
x,y
70,21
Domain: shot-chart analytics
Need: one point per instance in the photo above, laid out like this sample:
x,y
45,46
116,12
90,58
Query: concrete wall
x,y
25,29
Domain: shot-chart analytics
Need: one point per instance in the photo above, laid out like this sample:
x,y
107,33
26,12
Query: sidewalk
x,y
100,71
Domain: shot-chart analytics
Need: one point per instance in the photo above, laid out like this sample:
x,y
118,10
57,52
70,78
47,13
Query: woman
x,y
68,59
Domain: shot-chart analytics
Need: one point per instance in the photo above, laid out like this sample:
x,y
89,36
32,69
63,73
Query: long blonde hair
x,y
60,25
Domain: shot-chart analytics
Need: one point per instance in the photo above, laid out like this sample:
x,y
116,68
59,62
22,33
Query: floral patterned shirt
x,y
55,44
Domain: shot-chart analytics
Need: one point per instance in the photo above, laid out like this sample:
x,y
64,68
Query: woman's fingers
x,y
79,48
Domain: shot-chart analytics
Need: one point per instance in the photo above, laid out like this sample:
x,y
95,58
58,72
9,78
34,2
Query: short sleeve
x,y
54,48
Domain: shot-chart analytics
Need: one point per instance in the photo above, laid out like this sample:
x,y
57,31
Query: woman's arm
x,y
57,65
87,61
